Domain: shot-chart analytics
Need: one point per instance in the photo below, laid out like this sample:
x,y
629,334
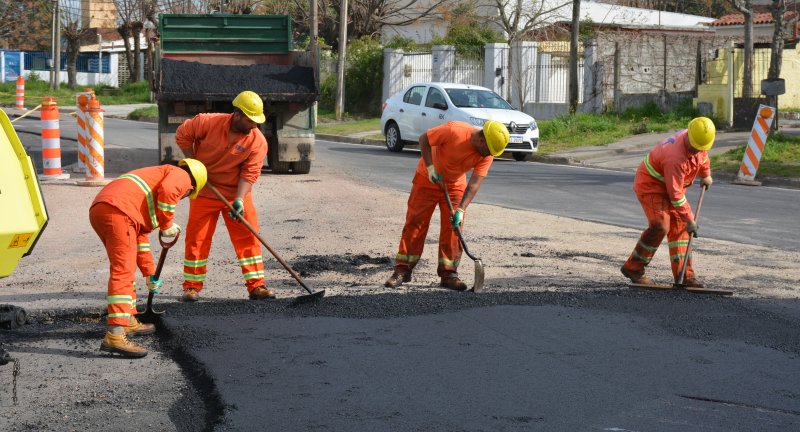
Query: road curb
x,y
351,140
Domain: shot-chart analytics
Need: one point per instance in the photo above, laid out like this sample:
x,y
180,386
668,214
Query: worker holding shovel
x,y
448,152
122,215
660,185
233,150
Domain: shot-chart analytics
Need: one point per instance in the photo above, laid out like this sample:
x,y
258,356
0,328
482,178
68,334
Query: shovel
x,y
478,263
150,315
311,296
680,284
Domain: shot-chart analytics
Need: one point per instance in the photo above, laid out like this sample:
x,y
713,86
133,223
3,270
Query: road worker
x,y
233,150
449,151
660,185
122,215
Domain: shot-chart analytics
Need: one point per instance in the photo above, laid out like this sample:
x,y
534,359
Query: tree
x,y
72,31
778,10
746,8
26,24
519,19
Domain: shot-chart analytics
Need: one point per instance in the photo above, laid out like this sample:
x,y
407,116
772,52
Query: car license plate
x,y
515,139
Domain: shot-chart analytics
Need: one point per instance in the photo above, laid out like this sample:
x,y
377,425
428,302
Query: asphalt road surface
x,y
765,216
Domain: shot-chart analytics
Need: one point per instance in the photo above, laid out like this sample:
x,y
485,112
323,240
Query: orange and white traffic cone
x,y
82,102
20,92
51,141
95,162
755,146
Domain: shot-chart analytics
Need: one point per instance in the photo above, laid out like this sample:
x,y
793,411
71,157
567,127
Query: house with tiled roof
x,y
732,25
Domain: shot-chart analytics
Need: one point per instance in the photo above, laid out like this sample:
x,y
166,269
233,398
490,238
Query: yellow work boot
x,y
261,293
638,279
190,295
397,278
693,283
136,327
120,344
453,283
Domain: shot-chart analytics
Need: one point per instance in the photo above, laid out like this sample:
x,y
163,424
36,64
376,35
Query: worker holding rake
x,y
660,185
233,150
448,152
122,215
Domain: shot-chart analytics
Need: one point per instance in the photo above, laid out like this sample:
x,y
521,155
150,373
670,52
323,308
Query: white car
x,y
419,107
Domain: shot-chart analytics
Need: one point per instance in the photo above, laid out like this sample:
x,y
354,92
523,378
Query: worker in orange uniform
x,y
448,151
660,185
233,150
122,215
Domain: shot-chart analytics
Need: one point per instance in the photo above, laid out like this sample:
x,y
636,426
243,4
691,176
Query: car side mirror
x,y
440,105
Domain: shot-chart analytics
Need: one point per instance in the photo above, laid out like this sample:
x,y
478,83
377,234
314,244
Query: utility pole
x,y
53,44
57,66
340,67
573,57
313,33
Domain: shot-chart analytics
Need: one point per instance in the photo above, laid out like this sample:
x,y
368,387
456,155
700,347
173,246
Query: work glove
x,y
691,228
153,284
238,209
707,181
433,176
172,231
457,218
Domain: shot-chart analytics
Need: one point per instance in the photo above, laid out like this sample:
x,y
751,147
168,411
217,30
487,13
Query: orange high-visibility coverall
x,y
453,157
122,215
660,186
227,159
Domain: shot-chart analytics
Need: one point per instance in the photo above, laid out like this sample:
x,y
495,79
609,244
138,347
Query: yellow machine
x,y
22,212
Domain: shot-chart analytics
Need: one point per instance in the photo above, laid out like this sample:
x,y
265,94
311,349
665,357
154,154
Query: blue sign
x,y
13,62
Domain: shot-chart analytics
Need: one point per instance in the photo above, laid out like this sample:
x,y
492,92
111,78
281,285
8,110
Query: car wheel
x,y
393,141
301,167
519,157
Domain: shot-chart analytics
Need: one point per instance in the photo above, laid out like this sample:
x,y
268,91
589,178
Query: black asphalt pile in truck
x,y
204,61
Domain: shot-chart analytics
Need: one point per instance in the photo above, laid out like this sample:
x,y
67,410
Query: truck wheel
x,y
275,165
393,141
519,157
301,167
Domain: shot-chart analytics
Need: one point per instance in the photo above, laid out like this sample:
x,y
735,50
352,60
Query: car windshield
x,y
471,98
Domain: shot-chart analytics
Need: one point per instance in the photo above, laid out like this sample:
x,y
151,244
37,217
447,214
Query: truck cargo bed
x,y
210,82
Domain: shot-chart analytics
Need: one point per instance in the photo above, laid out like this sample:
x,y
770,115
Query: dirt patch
x,y
311,265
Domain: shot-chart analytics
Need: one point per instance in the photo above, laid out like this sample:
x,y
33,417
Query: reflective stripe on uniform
x,y
253,275
677,256
680,202
407,258
449,262
646,247
119,299
642,258
167,207
250,260
119,315
194,277
148,194
655,174
679,243
143,247
195,263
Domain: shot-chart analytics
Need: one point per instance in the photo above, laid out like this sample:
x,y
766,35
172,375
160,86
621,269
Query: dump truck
x,y
204,60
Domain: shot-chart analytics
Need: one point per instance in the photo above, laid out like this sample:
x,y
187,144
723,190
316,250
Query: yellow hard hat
x,y
496,136
702,133
251,105
199,174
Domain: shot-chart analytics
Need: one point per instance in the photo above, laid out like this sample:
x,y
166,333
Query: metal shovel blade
x,y
308,298
478,276
150,315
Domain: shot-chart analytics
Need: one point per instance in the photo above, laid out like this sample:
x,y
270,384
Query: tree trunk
x,y
747,85
778,9
137,52
124,31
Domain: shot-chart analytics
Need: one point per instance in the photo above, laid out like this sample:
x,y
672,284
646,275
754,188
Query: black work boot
x,y
397,278
693,283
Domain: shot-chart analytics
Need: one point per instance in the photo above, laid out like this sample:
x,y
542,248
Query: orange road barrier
x,y
95,163
82,105
51,141
20,92
756,143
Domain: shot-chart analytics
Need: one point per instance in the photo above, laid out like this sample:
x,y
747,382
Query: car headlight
x,y
477,121
533,125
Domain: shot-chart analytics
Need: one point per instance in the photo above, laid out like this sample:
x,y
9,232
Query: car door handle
x,y
424,115
402,110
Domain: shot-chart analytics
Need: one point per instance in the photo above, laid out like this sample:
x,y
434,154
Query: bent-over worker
x,y
660,185
448,152
233,150
123,214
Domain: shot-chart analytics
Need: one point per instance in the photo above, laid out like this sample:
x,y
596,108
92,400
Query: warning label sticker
x,y
20,240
